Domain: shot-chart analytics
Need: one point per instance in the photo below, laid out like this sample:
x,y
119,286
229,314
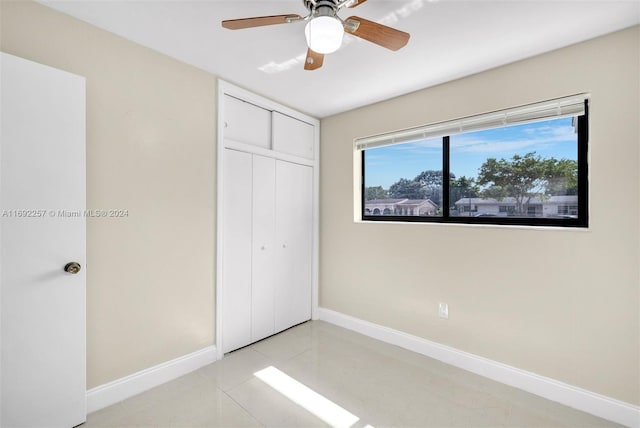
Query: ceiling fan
x,y
325,29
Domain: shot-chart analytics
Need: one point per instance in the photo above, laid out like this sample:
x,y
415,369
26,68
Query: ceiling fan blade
x,y
379,34
259,21
313,61
357,3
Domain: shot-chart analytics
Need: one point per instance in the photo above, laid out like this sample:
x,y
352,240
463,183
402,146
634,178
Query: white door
x,y
236,269
42,199
294,235
262,263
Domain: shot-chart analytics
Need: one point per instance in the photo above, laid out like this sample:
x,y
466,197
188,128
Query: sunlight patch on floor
x,y
310,400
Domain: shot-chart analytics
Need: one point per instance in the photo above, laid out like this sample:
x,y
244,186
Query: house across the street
x,y
417,207
552,206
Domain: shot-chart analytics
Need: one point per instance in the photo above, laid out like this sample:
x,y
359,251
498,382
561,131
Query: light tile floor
x,y
381,384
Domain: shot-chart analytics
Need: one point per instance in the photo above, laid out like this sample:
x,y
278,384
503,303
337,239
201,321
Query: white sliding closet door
x,y
294,226
263,258
267,253
238,183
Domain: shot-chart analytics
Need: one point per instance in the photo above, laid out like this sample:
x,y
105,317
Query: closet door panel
x,y
246,123
236,272
292,136
294,225
263,259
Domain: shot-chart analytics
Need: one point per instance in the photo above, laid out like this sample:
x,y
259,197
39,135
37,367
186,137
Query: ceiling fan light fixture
x,y
324,34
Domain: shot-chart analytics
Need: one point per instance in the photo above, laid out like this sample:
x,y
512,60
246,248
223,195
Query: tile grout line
x,y
240,405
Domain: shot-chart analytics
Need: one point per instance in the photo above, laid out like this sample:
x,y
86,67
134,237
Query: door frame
x,y
226,88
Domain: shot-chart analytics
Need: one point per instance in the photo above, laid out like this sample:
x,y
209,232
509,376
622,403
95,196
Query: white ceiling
x,y
449,39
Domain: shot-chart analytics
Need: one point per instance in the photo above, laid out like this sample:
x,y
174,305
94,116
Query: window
x,y
568,210
522,166
388,190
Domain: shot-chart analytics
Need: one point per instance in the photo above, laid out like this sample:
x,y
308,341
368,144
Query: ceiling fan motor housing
x,y
321,7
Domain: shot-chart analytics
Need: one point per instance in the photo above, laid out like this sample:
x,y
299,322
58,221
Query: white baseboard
x,y
572,396
110,393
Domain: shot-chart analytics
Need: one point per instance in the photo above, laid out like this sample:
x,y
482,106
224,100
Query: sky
x,y
553,138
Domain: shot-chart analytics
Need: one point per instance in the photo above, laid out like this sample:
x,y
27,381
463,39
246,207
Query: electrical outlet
x,y
443,311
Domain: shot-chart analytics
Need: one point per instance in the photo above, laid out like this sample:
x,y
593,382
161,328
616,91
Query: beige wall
x,y
563,304
151,150
560,303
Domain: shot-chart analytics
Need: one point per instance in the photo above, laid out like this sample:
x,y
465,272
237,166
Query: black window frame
x,y
582,220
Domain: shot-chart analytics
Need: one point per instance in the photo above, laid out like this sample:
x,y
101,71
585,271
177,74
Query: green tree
x,y
526,177
426,185
431,182
429,178
409,189
462,187
375,192
562,177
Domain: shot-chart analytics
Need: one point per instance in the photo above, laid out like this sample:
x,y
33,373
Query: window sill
x,y
478,225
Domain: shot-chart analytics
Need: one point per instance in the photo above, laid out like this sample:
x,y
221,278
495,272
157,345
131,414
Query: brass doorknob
x,y
72,267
